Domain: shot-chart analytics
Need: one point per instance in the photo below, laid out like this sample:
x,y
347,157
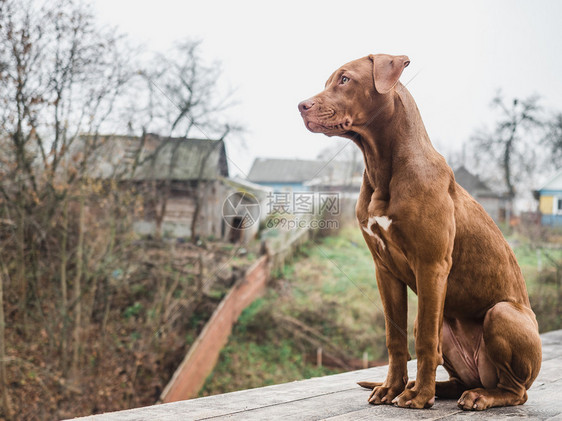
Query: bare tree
x,y
184,97
511,144
6,406
553,141
60,76
184,94
65,234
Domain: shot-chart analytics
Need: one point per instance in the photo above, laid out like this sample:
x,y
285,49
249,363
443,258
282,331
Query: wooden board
x,y
337,397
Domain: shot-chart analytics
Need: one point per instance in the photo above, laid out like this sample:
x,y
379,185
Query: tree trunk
x,y
78,289
196,211
162,194
20,264
507,170
64,289
507,161
6,408
199,193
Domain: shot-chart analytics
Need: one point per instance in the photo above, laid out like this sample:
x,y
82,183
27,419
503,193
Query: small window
x,y
559,205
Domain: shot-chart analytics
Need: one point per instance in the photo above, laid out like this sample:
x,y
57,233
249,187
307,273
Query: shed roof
x,y
272,170
161,158
472,184
554,183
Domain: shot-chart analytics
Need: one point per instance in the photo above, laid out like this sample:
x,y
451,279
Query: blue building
x,y
550,201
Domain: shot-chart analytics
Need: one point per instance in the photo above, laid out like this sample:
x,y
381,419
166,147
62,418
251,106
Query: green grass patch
x,y
539,267
330,288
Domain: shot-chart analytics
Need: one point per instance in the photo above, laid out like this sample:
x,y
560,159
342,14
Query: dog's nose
x,y
306,105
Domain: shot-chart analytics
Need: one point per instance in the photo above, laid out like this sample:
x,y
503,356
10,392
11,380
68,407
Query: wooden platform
x,y
337,397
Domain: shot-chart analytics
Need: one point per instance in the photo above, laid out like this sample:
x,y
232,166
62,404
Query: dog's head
x,y
355,95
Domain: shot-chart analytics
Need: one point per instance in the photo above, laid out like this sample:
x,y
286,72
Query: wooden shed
x,y
178,180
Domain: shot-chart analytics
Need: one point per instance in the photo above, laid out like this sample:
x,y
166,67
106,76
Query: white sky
x,y
276,54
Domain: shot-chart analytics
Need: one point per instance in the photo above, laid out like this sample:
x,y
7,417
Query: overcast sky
x,y
276,54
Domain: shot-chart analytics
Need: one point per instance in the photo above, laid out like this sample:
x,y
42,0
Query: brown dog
x,y
426,232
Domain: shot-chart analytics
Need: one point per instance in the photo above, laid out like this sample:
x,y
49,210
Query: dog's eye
x,y
344,80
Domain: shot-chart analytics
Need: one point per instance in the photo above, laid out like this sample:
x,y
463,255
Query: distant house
x,y
180,180
496,204
306,175
550,201
346,177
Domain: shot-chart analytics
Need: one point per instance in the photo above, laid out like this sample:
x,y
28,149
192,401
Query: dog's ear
x,y
387,70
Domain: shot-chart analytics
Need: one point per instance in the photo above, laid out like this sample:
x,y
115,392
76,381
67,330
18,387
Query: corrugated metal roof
x,y
269,170
162,158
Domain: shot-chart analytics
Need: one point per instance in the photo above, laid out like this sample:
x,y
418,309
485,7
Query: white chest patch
x,y
383,221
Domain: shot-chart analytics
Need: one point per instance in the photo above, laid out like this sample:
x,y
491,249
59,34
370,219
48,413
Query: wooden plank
x,y
180,210
343,405
551,344
338,398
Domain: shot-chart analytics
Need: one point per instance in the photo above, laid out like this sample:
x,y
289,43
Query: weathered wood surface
x,y
337,397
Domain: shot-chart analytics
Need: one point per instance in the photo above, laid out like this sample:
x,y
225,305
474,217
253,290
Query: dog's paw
x,y
384,395
474,400
411,398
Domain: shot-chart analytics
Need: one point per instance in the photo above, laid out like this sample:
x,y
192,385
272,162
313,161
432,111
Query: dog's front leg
x,y
431,283
395,304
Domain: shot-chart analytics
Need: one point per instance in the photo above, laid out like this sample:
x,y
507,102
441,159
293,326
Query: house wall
x,y
551,220
210,221
548,206
180,210
178,216
176,221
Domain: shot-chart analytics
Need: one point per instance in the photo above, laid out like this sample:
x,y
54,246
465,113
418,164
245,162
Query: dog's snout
x,y
306,105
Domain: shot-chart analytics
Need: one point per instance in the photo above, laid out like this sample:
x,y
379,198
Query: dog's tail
x,y
369,385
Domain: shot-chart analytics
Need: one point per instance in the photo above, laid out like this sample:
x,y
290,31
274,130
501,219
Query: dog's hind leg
x,y
449,389
513,346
